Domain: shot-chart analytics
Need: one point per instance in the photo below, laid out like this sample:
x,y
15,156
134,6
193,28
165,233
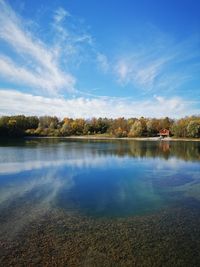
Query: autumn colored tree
x,y
193,129
51,126
136,129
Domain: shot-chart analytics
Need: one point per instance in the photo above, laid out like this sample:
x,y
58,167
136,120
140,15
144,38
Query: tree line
x,y
20,125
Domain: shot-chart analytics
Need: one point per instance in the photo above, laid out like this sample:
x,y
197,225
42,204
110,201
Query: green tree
x,y
193,129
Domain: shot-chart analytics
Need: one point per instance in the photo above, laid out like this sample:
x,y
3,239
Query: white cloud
x,y
70,34
22,75
38,61
103,62
15,102
139,71
32,63
123,71
164,64
61,14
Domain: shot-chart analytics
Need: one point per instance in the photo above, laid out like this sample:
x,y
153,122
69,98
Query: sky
x,y
91,58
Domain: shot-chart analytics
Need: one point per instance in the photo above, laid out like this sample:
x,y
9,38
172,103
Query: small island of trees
x,y
20,125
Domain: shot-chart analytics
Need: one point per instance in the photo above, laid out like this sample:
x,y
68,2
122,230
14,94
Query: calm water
x,y
95,179
99,178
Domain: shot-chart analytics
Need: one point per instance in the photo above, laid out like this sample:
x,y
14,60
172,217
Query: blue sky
x,y
100,58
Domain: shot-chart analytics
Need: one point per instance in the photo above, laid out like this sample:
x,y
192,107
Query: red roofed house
x,y
164,133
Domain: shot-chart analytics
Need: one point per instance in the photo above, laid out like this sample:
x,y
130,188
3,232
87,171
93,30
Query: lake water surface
x,y
99,203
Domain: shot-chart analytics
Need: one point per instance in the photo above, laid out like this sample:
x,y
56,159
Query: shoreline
x,y
87,137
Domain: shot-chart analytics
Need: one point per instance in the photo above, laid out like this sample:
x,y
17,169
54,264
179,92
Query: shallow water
x,y
69,191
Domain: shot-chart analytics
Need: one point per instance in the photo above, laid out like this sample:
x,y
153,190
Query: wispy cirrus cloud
x,y
61,14
23,76
16,102
140,73
51,68
163,65
34,63
71,38
103,62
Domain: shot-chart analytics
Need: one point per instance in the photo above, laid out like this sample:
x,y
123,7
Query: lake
x,y
67,202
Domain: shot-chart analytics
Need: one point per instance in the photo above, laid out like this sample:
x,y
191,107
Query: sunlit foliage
x,y
16,126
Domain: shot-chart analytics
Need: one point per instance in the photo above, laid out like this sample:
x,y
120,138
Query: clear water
x,y
99,178
99,203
